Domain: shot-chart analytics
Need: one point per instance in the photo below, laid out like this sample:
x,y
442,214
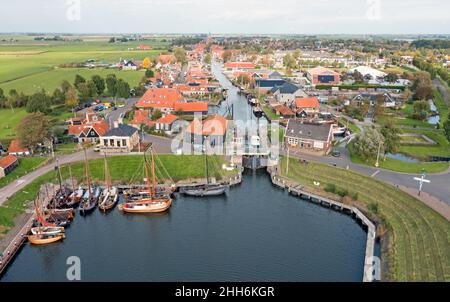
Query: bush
x,y
373,207
331,188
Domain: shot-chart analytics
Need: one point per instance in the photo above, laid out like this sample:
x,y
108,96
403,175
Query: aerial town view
x,y
225,141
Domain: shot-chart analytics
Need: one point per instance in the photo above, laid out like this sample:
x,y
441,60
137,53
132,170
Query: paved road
x,y
439,186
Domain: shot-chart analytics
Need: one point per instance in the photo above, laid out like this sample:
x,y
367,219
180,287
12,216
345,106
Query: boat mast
x,y
71,178
153,175
87,174
58,168
107,177
147,177
206,160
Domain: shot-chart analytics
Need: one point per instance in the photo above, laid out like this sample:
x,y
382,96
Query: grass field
x,y
31,66
9,121
441,149
418,246
123,169
26,165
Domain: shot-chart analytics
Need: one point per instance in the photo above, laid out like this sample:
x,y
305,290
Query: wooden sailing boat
x,y
110,194
77,194
61,197
46,232
92,194
208,189
148,202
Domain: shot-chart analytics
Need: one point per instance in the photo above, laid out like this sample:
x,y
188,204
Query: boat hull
x,y
108,202
47,230
146,206
39,240
199,192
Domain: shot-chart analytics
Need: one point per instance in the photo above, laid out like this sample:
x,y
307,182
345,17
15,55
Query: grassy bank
x,y
9,121
418,247
123,169
26,165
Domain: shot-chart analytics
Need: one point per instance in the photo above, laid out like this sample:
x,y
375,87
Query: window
x,y
105,142
111,142
124,142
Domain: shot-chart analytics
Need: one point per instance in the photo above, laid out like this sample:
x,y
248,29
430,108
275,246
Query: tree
x,y
146,63
99,84
391,136
391,78
180,55
34,129
207,58
423,92
447,128
72,99
39,102
58,96
149,73
123,89
226,55
289,62
297,54
3,99
421,109
366,144
358,77
156,114
65,85
111,84
87,90
78,80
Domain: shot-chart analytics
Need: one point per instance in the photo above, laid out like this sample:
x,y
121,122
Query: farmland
x,y
31,66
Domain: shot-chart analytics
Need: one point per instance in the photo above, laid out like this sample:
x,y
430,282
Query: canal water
x,y
255,233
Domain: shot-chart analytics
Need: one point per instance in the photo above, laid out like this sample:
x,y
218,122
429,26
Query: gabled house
x,y
283,110
309,106
163,99
16,150
129,65
388,101
142,117
321,75
265,85
90,129
8,164
287,93
214,129
165,123
316,138
120,139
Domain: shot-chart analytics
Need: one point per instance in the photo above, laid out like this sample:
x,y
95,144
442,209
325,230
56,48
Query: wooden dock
x,y
46,192
297,190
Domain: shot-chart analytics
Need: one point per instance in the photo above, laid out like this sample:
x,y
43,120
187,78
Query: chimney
x,y
116,124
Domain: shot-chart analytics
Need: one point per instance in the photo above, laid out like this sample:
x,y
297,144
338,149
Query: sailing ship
x,y
148,202
77,194
92,194
110,194
61,197
46,232
208,189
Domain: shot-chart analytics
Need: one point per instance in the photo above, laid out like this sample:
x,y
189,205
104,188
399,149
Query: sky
x,y
227,16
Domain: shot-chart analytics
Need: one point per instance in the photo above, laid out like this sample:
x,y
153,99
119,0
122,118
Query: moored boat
x,y
110,194
150,202
45,239
92,194
44,230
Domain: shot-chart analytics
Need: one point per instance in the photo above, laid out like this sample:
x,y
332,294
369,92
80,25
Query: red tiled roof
x,y
191,107
7,161
307,102
159,98
141,117
168,119
213,125
240,65
283,110
101,127
15,147
319,70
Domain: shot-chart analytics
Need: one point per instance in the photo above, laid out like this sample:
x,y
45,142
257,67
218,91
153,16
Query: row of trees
x,y
70,94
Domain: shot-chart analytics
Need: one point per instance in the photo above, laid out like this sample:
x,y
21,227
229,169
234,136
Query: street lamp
x,y
377,163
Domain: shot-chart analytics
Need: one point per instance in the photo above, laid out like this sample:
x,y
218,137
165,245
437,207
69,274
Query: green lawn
x,y
441,106
441,149
9,121
418,237
123,169
26,165
401,166
270,114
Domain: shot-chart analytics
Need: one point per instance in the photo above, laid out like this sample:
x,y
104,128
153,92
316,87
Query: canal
x,y
255,233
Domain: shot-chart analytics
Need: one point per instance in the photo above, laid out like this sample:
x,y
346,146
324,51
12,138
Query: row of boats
x,y
52,220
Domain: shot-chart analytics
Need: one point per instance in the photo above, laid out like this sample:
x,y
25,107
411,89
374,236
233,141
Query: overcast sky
x,y
227,16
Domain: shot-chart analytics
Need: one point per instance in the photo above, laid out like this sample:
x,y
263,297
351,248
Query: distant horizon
x,y
358,17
